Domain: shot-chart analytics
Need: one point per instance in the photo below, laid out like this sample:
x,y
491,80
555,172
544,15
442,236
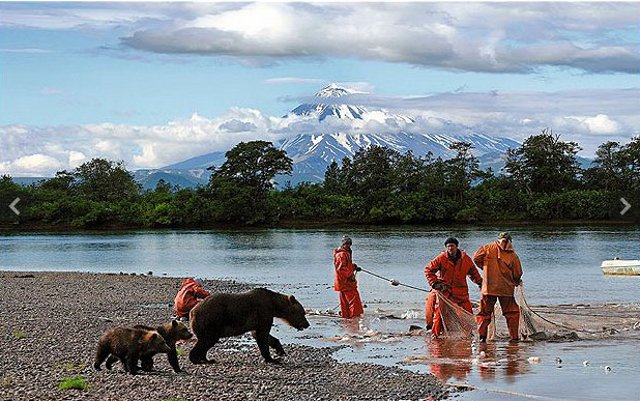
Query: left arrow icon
x,y
13,208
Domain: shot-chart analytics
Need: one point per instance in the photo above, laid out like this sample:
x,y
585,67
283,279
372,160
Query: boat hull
x,y
621,267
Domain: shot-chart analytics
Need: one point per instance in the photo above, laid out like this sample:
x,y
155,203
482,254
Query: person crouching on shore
x,y
190,293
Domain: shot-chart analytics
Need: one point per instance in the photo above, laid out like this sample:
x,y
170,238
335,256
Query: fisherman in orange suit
x,y
190,293
345,280
447,273
502,272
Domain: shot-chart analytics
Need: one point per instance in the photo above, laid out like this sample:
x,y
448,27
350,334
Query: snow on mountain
x,y
324,110
312,152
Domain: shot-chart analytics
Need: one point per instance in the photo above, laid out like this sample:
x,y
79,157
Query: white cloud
x,y
29,150
481,37
48,91
28,50
293,80
600,124
33,165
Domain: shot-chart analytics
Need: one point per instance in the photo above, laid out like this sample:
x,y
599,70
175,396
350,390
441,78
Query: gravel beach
x,y
51,323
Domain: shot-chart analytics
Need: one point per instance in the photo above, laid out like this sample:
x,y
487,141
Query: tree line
x,y
542,180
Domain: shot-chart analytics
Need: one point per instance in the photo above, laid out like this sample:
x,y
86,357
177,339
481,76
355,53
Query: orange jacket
x,y
453,274
501,269
345,278
188,296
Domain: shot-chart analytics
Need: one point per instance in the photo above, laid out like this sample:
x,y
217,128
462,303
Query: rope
x,y
584,314
393,282
497,391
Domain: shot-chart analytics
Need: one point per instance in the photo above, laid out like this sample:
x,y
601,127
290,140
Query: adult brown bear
x,y
225,315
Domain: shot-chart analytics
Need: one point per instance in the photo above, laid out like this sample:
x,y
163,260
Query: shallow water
x,y
561,266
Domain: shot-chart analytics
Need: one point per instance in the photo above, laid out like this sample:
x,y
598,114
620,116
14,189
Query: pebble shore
x,y
51,323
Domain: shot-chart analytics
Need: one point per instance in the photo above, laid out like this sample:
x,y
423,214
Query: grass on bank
x,y
77,382
19,334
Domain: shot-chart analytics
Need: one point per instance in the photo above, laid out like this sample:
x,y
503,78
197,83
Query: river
x,y
561,266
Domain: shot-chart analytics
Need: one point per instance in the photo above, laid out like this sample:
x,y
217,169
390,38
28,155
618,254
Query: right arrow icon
x,y
627,206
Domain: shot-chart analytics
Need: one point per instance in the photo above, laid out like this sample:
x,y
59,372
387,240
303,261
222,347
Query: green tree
x,y
62,182
255,164
241,185
631,156
105,180
332,178
544,164
464,169
609,168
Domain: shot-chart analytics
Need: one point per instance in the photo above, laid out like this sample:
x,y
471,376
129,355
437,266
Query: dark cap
x,y
451,240
345,240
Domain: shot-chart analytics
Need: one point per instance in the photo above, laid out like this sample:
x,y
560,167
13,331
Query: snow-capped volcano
x,y
324,139
328,106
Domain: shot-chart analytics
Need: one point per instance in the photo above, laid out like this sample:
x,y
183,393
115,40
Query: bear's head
x,y
180,331
293,313
155,343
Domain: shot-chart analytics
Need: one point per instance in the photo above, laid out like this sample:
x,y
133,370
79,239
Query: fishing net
x,y
546,323
456,322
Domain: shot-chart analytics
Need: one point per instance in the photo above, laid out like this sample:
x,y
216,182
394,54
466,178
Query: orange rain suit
x,y
453,273
345,282
189,294
502,272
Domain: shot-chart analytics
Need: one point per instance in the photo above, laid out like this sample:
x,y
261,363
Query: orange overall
x,y
188,295
502,271
345,283
453,272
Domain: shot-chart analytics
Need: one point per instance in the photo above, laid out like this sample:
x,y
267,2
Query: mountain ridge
x,y
312,152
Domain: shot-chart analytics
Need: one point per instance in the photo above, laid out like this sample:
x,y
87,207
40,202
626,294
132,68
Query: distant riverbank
x,y
300,224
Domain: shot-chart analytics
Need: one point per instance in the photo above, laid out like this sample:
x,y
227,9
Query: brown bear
x,y
171,332
129,345
225,315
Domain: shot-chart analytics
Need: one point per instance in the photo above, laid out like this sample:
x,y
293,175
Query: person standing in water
x,y
447,273
345,280
502,272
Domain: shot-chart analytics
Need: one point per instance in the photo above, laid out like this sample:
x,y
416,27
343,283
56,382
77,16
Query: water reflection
x,y
351,326
451,358
455,359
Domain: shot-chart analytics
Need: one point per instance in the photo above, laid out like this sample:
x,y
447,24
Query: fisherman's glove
x,y
356,268
438,285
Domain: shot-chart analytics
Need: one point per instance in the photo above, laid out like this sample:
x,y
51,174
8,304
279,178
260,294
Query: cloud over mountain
x,y
34,151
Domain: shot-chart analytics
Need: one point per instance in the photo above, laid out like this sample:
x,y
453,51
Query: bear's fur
x,y
226,315
171,332
129,345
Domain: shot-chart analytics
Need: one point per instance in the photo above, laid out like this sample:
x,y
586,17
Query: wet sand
x,y
52,321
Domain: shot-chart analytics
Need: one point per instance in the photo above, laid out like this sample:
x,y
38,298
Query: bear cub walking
x,y
171,332
226,315
129,345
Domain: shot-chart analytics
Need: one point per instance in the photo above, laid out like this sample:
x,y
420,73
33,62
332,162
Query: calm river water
x,y
561,266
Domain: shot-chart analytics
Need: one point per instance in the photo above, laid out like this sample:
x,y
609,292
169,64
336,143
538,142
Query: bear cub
x,y
129,345
172,332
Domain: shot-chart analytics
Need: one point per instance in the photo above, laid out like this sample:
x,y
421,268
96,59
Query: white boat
x,y
621,267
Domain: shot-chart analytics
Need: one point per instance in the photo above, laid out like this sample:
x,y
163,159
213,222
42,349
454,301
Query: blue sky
x,y
153,83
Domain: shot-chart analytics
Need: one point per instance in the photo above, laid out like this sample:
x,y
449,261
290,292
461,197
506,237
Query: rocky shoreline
x,y
52,321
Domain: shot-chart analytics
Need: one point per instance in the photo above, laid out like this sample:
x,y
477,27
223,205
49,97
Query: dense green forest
x,y
541,181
